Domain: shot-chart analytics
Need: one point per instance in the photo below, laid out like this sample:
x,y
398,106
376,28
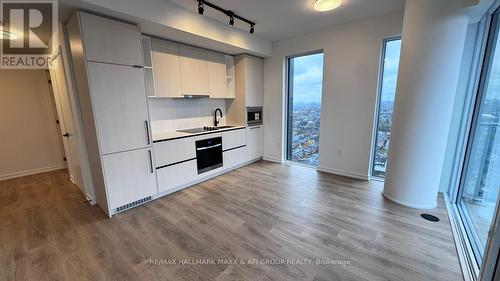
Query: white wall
x,y
351,67
29,141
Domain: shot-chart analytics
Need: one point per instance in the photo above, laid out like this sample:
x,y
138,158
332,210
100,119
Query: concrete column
x,y
434,33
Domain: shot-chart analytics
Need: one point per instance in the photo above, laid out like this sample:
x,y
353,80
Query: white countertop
x,y
163,136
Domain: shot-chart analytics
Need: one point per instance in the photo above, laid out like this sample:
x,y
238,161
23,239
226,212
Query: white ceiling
x,y
281,19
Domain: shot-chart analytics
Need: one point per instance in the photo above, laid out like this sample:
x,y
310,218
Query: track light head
x,y
231,20
252,29
201,8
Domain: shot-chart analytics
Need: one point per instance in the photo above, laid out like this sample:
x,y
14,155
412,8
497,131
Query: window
x,y
480,181
387,93
305,85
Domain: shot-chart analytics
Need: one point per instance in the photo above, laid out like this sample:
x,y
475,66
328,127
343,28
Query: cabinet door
x,y
173,151
129,177
254,83
194,71
120,106
235,157
175,176
217,75
111,41
234,138
255,142
166,66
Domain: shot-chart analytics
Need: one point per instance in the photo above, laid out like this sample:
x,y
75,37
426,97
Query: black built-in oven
x,y
209,154
254,116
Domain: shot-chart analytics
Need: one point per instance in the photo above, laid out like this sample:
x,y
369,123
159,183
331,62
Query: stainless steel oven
x,y
254,116
209,154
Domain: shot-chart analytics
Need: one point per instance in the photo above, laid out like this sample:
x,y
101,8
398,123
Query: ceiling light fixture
x,y
326,5
232,16
201,8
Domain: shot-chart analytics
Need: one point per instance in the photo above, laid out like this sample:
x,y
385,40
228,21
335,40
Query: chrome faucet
x,y
216,122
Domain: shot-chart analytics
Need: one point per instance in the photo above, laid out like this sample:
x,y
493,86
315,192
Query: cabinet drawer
x,y
173,151
232,139
235,157
174,176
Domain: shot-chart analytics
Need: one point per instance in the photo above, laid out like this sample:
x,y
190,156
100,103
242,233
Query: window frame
x,y
378,104
288,113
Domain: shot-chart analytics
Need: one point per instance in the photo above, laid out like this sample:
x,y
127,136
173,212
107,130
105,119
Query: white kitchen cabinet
x,y
194,71
234,138
167,69
172,177
254,84
120,106
129,176
217,75
235,157
255,142
173,151
111,41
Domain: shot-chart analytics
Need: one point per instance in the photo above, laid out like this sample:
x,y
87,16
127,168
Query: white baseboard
x,y
343,173
272,159
31,172
413,206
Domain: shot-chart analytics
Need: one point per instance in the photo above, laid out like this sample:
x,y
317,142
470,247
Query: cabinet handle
x,y
150,162
146,123
137,66
254,128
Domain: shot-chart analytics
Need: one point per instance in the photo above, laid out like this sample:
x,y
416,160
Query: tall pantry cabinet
x,y
108,66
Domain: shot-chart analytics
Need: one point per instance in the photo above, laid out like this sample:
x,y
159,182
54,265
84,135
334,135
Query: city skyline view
x,y
306,86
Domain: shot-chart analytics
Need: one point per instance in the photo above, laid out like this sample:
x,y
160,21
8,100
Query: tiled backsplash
x,y
169,115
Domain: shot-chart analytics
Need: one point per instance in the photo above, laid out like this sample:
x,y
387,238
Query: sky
x,y
308,78
391,65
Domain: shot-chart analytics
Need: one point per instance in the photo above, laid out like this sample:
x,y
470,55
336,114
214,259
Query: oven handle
x,y
208,147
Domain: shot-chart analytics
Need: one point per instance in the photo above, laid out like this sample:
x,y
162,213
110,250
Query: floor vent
x,y
133,204
430,217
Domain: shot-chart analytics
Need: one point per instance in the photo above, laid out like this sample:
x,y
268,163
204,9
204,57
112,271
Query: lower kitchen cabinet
x,y
255,142
234,157
130,176
174,176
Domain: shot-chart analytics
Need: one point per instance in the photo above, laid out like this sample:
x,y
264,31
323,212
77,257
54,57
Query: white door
x,y
255,142
66,122
217,75
111,41
120,106
130,176
194,71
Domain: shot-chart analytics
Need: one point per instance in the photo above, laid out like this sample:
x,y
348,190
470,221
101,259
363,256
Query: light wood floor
x,y
264,210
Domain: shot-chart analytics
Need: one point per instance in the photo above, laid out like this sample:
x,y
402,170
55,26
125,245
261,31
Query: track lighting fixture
x,y
230,14
201,8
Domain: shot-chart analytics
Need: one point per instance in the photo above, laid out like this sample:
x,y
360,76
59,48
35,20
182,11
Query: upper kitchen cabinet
x,y
250,73
110,41
166,68
217,75
194,71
